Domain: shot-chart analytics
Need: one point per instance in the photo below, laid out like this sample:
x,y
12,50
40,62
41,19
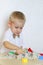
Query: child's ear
x,y
9,23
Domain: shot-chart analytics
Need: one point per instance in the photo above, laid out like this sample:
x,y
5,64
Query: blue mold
x,y
40,58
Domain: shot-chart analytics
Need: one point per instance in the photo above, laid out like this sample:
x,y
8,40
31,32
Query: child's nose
x,y
19,30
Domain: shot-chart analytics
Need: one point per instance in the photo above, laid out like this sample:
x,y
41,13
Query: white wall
x,y
33,30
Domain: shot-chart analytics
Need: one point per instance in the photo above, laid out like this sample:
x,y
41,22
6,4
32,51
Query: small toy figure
x,y
30,50
24,60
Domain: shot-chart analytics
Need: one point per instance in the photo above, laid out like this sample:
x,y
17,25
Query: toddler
x,y
12,38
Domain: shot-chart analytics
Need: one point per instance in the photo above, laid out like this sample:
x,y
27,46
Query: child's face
x,y
17,26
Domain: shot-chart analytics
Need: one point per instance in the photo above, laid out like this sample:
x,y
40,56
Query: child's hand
x,y
20,51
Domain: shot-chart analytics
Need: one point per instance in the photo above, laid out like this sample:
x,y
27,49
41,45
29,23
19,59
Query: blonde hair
x,y
18,15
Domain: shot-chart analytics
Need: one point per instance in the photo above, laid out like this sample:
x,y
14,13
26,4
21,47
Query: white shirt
x,y
18,41
15,41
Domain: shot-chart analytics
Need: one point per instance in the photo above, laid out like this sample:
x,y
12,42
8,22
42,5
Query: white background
x,y
33,29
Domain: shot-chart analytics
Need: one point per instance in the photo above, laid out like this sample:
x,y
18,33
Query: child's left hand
x,y
20,51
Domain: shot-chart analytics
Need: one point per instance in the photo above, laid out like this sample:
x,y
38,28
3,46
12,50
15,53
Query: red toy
x,y
41,54
30,50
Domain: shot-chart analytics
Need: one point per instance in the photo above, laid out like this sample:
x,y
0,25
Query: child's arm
x,y
10,46
13,47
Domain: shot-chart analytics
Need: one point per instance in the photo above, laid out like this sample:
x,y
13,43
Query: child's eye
x,y
16,27
21,28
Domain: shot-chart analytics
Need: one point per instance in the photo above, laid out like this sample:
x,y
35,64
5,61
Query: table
x,y
13,61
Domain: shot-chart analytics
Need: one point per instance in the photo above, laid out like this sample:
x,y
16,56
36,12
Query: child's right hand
x,y
20,51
